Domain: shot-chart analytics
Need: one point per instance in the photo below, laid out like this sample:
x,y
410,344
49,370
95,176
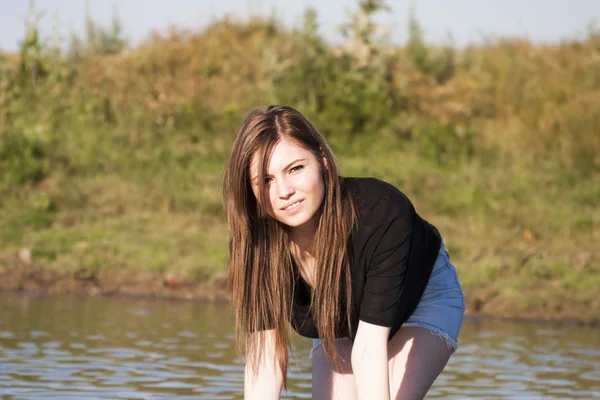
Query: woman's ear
x,y
323,157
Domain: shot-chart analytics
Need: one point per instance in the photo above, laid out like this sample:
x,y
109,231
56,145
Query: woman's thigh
x,y
420,350
417,353
416,358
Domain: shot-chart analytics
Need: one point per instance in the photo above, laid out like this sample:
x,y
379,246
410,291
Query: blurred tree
x,y
437,62
361,32
103,40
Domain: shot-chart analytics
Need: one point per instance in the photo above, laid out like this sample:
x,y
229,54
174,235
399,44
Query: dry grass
x,y
115,160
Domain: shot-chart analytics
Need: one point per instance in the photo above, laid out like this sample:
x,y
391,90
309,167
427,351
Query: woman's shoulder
x,y
377,198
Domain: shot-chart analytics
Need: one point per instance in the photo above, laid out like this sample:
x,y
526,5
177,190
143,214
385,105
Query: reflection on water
x,y
103,348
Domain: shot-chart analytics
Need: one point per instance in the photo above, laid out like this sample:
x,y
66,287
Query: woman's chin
x,y
300,222
293,222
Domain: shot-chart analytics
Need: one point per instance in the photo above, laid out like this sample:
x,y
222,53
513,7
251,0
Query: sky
x,y
444,21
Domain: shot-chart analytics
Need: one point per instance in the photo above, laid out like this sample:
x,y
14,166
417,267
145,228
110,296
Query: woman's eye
x,y
297,168
267,181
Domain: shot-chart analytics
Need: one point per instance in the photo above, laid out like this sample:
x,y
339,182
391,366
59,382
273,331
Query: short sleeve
x,y
386,271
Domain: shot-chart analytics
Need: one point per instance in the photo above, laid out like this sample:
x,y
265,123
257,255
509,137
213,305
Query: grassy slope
x,y
514,247
119,168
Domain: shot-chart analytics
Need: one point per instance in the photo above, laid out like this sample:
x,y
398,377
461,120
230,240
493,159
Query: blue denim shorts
x,y
442,306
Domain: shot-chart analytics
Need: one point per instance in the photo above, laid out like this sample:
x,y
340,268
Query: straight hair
x,y
262,272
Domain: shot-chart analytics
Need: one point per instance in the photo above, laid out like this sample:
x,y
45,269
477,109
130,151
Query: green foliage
x,y
105,40
125,149
440,63
22,159
99,39
345,90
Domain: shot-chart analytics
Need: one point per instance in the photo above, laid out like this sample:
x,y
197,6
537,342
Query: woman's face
x,y
294,186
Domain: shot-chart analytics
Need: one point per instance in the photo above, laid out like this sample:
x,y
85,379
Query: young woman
x,y
345,261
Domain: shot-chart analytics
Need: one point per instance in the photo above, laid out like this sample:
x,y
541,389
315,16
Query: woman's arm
x,y
266,382
370,361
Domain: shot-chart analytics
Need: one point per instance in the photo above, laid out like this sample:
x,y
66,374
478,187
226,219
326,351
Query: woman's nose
x,y
284,188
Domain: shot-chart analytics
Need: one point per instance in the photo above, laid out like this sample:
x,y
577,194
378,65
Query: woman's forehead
x,y
285,152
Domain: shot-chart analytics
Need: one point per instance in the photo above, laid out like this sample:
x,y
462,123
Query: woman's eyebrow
x,y
293,162
255,178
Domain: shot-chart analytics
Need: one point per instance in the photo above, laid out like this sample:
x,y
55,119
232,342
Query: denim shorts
x,y
442,305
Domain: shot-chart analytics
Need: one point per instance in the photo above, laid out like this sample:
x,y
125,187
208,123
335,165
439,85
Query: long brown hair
x,y
261,269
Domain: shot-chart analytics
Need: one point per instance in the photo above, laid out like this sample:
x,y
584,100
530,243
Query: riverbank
x,y
26,279
111,162
523,240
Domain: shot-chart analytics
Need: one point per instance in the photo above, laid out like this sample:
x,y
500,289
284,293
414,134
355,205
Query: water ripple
x,y
97,351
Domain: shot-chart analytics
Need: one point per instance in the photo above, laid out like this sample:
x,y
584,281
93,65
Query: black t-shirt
x,y
392,253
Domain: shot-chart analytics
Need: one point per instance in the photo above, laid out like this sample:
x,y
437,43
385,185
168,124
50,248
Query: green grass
x,y
165,216
113,162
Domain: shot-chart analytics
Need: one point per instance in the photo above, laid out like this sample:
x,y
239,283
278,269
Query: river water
x,y
121,348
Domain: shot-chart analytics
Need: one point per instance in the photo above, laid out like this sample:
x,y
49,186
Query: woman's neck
x,y
302,245
304,257
303,237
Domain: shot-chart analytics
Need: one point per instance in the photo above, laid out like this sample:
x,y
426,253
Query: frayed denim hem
x,y
316,343
452,344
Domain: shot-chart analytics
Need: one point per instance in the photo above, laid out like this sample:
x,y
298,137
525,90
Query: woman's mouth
x,y
293,207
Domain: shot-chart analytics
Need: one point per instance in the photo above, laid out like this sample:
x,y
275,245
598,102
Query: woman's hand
x,y
370,362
